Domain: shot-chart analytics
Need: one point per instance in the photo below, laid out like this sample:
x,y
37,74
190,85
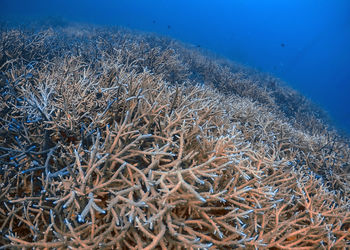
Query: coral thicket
x,y
111,139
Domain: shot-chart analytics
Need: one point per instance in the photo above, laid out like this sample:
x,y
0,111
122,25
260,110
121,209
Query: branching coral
x,y
115,146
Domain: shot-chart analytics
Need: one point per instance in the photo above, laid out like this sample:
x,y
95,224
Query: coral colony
x,y
111,139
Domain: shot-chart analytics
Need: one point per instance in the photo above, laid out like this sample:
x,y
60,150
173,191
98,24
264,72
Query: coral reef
x,y
118,140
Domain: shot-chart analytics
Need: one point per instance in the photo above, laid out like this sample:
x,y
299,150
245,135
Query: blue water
x,y
306,43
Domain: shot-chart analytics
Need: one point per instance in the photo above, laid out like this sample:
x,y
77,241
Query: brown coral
x,y
109,141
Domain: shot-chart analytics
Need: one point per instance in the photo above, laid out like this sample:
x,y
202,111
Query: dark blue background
x,y
315,57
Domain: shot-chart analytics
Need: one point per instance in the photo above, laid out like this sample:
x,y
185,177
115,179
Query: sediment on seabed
x,y
120,140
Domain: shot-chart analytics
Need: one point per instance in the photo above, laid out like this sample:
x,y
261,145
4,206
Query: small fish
x,y
169,27
283,45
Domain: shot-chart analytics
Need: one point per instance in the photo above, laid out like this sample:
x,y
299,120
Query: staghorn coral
x,y
109,140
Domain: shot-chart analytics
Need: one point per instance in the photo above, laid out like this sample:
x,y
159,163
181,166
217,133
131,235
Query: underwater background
x,y
174,125
305,43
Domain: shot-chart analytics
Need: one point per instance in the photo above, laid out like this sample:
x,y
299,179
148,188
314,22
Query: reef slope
x,y
120,140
